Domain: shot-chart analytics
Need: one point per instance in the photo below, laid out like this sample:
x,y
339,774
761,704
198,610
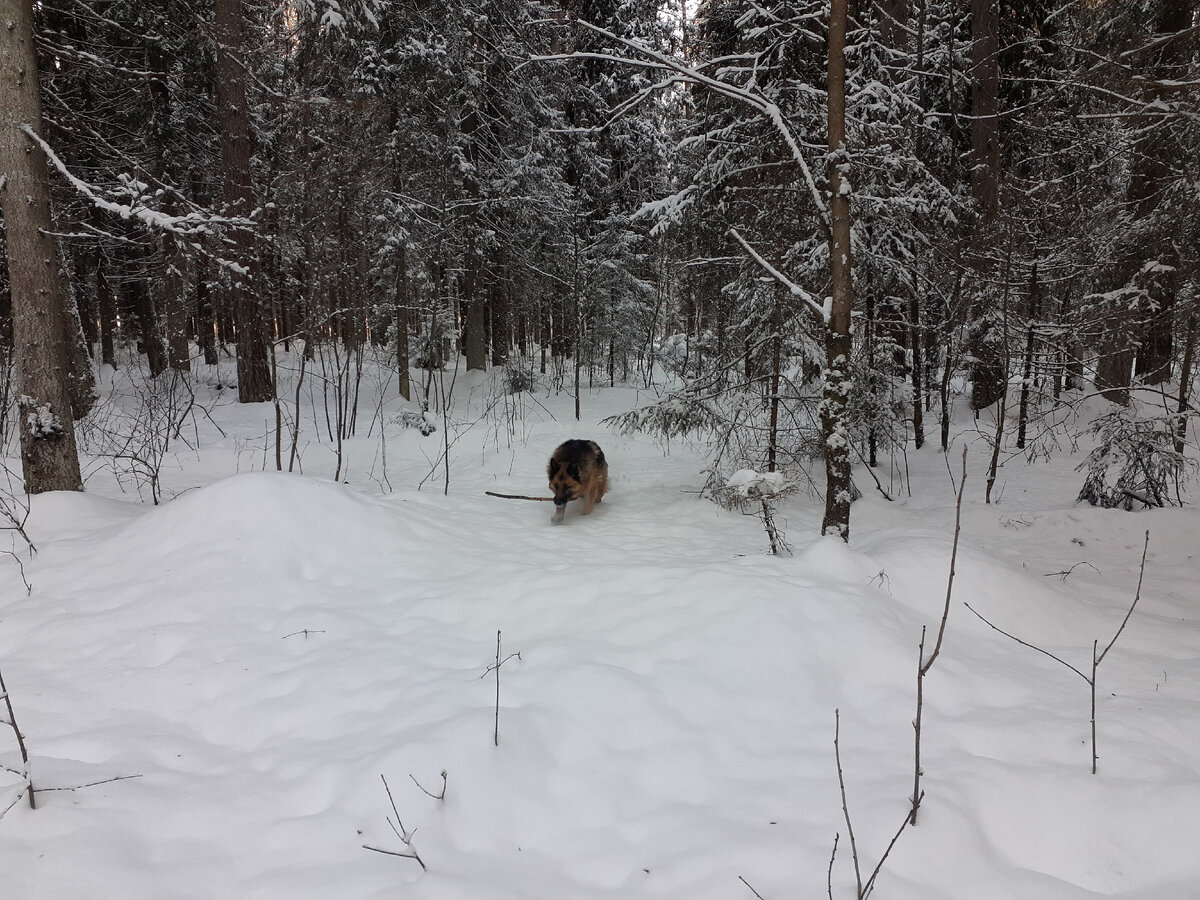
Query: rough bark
x,y
41,323
253,340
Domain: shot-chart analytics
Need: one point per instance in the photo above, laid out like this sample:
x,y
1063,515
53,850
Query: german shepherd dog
x,y
578,471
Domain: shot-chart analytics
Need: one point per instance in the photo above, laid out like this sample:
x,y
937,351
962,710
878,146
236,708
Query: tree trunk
x,y
253,343
918,370
49,456
402,304
985,107
139,299
107,305
1185,379
837,341
175,306
1027,363
475,327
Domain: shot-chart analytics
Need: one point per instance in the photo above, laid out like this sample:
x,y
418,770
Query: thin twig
x,y
441,796
12,721
937,647
516,496
837,754
79,787
752,890
1137,596
870,885
495,667
829,874
1062,576
1013,637
410,855
400,831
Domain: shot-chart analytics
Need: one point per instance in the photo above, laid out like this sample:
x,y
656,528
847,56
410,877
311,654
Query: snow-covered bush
x,y
1134,461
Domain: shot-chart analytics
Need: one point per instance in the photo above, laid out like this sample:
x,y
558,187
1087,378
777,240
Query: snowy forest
x,y
890,306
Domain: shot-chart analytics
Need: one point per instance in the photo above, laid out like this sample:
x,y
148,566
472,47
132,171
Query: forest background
x,y
584,190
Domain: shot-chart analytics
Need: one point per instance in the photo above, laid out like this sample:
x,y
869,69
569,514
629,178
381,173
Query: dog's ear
x,y
553,469
573,471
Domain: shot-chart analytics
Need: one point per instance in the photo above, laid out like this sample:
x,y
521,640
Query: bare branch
x,y
1013,637
1137,596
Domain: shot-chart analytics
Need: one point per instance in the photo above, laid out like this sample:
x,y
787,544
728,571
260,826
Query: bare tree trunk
x,y
1027,363
402,305
175,306
1185,379
837,340
776,366
918,371
107,304
253,341
985,107
49,456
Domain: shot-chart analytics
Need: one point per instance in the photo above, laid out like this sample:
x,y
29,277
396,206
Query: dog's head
x,y
564,481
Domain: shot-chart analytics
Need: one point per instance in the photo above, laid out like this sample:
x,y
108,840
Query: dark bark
x,y
985,107
918,371
42,350
1027,362
253,341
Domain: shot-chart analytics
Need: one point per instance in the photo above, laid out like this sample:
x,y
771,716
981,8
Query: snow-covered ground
x,y
258,649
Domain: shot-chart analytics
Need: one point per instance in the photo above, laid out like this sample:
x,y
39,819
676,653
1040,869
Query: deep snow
x,y
261,647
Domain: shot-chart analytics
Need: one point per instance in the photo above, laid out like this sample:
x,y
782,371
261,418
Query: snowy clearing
x,y
261,647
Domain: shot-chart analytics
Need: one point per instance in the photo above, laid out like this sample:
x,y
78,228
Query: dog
x,y
577,471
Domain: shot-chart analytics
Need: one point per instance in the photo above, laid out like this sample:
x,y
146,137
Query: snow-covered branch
x,y
192,223
824,310
651,58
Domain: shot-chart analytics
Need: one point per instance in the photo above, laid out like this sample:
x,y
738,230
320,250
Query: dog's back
x,y
577,471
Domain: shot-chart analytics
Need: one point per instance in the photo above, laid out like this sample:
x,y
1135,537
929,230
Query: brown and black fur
x,y
578,471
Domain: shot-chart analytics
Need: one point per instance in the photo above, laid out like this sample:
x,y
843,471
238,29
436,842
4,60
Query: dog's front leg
x,y
560,512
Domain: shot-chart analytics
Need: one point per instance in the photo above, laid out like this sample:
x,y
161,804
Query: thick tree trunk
x,y
40,296
837,341
253,341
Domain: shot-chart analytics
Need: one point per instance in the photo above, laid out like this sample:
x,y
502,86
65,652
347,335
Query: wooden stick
x,y
516,496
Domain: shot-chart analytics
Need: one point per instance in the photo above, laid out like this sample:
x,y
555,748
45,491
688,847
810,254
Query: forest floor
x,y
251,654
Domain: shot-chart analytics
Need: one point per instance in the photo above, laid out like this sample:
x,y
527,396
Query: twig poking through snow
x,y
923,664
1097,654
11,721
495,667
439,796
752,890
401,832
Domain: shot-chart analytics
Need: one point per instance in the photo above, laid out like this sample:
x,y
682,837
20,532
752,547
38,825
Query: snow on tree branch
x,y
824,310
655,59
192,223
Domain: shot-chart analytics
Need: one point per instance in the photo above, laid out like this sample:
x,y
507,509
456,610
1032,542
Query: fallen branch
x,y
517,496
